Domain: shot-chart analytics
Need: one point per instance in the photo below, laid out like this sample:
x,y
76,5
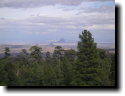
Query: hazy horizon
x,y
47,43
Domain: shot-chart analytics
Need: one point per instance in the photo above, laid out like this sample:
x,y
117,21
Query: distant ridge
x,y
62,40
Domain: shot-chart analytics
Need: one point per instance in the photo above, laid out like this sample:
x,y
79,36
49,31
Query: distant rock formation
x,y
62,40
51,44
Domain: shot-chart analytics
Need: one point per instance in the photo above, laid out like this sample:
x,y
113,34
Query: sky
x,y
44,21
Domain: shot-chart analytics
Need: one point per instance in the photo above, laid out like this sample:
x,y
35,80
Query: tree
x,y
24,52
11,70
87,65
3,73
58,52
105,66
67,66
23,57
70,54
7,52
50,76
48,57
67,69
112,70
36,53
58,57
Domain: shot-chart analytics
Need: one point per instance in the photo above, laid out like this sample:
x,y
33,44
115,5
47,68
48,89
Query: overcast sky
x,y
39,21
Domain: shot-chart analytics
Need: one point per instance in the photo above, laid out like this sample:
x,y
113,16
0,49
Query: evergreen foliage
x,y
7,52
89,66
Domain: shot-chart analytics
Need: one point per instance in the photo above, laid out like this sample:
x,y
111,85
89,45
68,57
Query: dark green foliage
x,y
36,52
8,72
86,68
105,65
67,68
7,52
58,52
48,57
71,54
89,66
3,73
23,57
112,70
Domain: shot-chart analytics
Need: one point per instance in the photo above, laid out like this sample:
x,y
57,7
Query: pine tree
x,y
87,65
48,57
7,52
11,71
36,53
70,54
58,57
112,70
24,57
67,71
105,67
58,52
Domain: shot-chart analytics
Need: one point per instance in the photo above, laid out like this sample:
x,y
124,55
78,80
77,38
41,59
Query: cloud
x,y
40,3
44,28
57,24
52,22
36,3
102,9
99,0
101,27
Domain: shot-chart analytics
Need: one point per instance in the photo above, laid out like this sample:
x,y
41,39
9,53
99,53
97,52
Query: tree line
x,y
89,66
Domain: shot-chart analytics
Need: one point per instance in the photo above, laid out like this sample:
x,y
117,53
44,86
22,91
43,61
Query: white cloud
x,y
101,27
53,21
36,3
37,33
39,3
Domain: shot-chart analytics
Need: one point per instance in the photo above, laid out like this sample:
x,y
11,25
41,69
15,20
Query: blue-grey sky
x,y
42,21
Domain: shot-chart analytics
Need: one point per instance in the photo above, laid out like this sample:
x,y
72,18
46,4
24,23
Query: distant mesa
x,y
51,44
62,40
